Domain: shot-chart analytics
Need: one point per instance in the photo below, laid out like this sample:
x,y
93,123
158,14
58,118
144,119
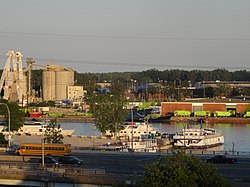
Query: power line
x,y
134,64
126,37
131,64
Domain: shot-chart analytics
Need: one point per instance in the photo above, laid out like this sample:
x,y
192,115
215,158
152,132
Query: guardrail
x,y
170,151
67,174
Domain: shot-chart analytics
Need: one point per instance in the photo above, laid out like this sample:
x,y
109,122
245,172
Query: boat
x,y
38,127
147,115
198,138
143,145
135,130
160,119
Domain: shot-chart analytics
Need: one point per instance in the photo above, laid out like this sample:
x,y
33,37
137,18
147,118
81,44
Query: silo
x,y
64,78
48,84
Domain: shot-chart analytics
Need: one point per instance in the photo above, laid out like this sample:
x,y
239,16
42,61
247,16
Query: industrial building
x,y
167,107
57,81
75,93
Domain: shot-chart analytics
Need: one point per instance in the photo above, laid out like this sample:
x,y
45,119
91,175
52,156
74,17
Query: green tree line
x,y
153,75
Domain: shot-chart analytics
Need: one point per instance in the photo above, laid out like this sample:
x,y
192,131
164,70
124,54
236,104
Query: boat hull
x,y
198,139
161,119
199,146
37,128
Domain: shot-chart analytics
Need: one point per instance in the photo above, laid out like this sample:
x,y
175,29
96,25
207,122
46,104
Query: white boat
x,y
135,129
198,138
143,145
38,127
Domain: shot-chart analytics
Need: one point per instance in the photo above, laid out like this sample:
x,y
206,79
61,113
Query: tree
x,y
2,139
53,133
108,112
16,115
108,109
182,171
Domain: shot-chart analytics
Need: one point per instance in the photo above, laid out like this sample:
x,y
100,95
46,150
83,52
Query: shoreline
x,y
65,119
75,141
236,120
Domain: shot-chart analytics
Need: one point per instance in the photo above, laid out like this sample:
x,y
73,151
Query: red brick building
x,y
192,107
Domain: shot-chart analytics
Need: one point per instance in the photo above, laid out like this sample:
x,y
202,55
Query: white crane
x,y
12,79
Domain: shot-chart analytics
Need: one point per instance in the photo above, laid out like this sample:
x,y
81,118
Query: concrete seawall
x,y
66,119
235,120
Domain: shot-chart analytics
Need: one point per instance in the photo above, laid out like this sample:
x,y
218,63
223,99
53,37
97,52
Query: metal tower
x,y
12,80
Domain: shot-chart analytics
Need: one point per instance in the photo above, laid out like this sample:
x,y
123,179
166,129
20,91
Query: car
x,y
48,160
221,159
69,160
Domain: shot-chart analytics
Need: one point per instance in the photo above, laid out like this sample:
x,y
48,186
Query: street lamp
x,y
43,128
9,137
132,123
42,148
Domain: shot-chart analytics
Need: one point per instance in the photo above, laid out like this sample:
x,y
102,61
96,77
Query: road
x,y
134,163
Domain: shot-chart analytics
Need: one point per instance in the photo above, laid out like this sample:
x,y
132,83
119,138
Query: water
x,y
237,134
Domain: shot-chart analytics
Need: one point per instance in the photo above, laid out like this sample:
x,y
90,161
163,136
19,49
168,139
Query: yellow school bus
x,y
35,149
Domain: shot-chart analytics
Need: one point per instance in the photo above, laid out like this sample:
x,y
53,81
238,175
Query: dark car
x,y
48,160
70,160
221,159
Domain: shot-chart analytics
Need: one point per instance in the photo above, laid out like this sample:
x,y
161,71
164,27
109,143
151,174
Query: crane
x,y
30,63
12,76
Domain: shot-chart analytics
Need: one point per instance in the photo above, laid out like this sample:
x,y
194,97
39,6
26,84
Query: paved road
x,y
113,163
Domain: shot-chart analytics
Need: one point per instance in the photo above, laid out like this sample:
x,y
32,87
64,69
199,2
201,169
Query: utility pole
x,y
204,93
29,62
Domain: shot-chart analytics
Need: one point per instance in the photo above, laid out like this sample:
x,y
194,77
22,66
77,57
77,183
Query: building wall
x,y
212,107
75,92
241,107
172,106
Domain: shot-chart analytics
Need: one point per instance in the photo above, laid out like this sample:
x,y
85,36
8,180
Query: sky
x,y
128,35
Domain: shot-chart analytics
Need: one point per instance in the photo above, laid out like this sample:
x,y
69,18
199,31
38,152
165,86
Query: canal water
x,y
237,136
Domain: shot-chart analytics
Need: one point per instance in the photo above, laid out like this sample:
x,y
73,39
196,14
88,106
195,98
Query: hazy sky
x,y
128,35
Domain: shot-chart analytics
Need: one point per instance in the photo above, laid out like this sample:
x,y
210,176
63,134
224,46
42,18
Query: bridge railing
x,y
170,151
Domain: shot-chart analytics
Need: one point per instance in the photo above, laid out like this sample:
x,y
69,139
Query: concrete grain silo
x,y
48,85
55,80
63,79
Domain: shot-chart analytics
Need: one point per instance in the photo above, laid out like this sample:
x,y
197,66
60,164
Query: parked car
x,y
70,160
48,160
221,159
